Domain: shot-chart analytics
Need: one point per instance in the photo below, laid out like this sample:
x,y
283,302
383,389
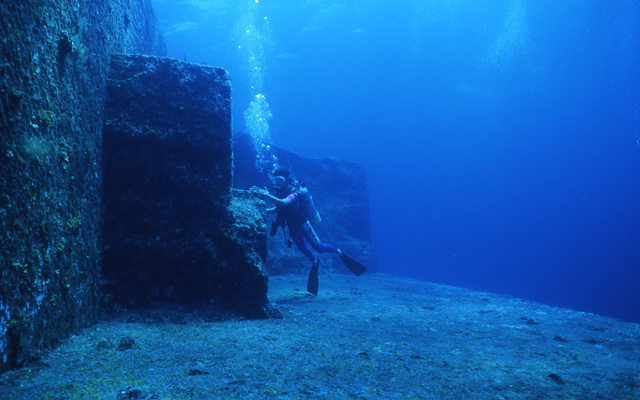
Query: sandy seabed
x,y
368,337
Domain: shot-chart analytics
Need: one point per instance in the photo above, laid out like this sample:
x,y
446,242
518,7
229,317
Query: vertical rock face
x,y
339,190
244,238
53,64
172,231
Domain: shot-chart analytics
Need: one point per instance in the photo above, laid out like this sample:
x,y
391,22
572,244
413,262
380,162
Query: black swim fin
x,y
355,267
312,283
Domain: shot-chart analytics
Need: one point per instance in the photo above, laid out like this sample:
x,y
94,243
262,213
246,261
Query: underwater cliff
x,y
54,58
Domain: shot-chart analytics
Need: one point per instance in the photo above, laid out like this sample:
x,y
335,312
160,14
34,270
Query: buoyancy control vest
x,y
307,207
301,211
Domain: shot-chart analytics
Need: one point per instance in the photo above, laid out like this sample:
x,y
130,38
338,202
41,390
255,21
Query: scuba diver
x,y
295,209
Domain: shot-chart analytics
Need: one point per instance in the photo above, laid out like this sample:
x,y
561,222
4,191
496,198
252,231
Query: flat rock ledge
x,y
371,337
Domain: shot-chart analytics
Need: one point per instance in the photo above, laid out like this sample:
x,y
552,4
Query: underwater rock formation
x,y
173,230
339,190
54,58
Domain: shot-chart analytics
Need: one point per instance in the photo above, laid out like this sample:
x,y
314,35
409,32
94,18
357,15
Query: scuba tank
x,y
306,205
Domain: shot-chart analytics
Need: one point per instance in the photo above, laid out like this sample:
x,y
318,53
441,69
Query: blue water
x,y
501,137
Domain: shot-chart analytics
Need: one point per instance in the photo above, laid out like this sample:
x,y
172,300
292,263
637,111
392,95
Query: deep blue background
x,y
500,137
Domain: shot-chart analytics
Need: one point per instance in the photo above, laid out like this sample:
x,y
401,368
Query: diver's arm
x,y
278,201
281,202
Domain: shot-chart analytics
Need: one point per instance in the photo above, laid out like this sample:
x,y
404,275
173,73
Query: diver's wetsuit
x,y
300,229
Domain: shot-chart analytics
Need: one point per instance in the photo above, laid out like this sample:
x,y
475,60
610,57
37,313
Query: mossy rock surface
x,y
54,57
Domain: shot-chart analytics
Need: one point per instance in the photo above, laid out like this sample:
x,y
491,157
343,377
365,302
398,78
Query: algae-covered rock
x,y
54,57
173,232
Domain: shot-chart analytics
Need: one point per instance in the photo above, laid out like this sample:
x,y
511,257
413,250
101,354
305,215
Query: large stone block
x,y
339,190
172,231
54,57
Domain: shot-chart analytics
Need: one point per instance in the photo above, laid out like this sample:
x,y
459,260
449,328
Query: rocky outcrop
x,y
54,58
173,230
339,190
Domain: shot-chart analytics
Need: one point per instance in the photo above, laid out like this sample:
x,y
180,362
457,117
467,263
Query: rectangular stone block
x,y
171,234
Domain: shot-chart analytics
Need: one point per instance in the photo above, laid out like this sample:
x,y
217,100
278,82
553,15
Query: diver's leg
x,y
297,235
312,238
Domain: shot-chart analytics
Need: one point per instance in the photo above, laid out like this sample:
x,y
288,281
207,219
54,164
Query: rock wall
x,y
172,231
339,190
54,58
